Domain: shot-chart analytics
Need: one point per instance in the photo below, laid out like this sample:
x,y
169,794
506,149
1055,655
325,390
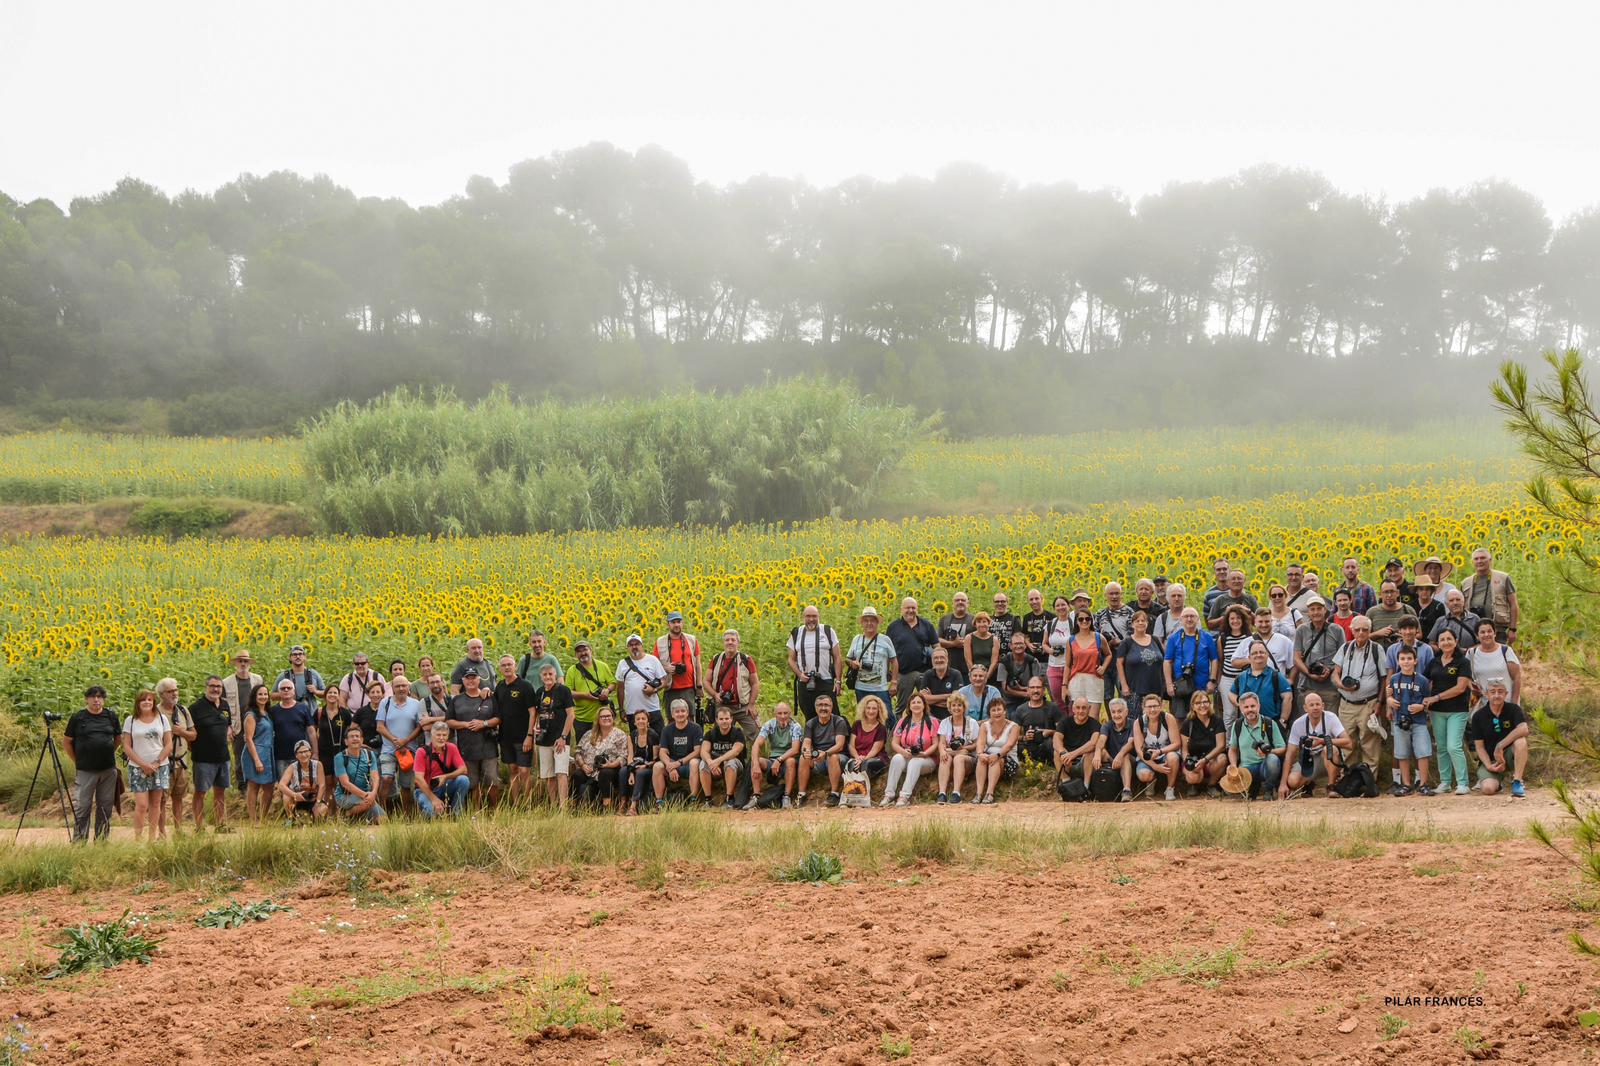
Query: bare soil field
x,y
1189,956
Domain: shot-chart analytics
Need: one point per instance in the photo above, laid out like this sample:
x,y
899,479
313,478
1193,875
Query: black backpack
x,y
771,796
1073,790
1105,785
1357,780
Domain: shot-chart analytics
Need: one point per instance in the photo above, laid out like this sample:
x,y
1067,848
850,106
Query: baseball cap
x,y
674,616
633,637
297,650
582,644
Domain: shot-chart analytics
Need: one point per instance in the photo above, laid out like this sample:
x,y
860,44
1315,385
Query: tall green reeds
x,y
408,464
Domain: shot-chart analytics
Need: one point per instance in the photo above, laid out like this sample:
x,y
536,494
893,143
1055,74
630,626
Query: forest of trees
x,y
598,272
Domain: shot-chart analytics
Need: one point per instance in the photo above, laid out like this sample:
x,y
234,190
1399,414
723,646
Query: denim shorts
x,y
1413,741
210,775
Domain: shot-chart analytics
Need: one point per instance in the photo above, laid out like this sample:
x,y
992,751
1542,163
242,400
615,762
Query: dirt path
x,y
1190,956
1448,813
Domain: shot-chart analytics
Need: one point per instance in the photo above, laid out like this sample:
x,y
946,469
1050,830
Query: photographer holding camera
x,y
679,652
1358,673
958,735
1315,644
732,683
1256,743
815,659
1314,739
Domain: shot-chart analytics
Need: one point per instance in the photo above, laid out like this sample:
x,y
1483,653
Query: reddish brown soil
x,y
723,965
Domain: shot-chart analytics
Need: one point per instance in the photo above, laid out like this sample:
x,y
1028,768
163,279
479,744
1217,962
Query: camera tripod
x,y
48,747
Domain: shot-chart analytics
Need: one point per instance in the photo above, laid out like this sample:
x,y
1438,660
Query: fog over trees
x,y
598,271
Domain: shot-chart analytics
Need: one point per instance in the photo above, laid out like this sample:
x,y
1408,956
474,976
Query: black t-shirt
x,y
1002,626
1045,716
1036,625
1143,667
822,734
1491,730
953,628
94,739
647,753
952,681
553,705
678,744
211,720
722,743
1202,736
1075,736
474,745
1442,677
513,705
367,719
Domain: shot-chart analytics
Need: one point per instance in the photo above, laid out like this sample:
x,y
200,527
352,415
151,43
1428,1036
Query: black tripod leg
x,y
44,747
69,813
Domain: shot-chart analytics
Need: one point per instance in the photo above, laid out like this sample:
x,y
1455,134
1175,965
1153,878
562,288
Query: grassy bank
x,y
516,844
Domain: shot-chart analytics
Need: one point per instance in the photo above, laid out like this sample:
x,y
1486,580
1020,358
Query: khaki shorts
x,y
553,763
483,773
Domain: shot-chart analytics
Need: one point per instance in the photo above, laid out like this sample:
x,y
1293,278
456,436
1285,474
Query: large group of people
x,y
1153,695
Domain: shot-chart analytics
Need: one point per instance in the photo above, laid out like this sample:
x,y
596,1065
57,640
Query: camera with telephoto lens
x,y
52,716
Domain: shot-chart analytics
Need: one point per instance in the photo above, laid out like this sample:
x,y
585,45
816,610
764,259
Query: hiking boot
x,y
728,804
1517,790
751,805
942,799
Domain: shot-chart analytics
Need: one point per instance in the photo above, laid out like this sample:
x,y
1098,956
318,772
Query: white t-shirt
x,y
1057,637
1364,666
1488,665
634,674
1331,727
147,736
1280,651
813,649
969,734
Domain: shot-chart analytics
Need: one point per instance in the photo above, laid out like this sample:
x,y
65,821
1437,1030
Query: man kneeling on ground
x,y
1499,737
1313,740
1257,745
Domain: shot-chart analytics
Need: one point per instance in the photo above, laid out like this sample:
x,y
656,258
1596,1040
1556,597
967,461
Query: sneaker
x,y
1426,790
750,806
1463,790
1517,790
904,802
1171,795
955,797
1127,795
728,804
1400,790
942,799
832,800
788,804
800,799
887,800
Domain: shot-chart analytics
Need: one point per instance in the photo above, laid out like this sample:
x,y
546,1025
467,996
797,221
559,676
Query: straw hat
x,y
1236,781
1445,569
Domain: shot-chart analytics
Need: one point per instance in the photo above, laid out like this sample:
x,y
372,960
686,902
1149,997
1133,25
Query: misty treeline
x,y
599,272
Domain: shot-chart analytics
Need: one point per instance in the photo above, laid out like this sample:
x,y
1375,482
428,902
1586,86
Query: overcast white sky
x,y
408,99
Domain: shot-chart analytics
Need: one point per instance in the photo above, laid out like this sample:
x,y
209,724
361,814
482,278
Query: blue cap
x,y
674,616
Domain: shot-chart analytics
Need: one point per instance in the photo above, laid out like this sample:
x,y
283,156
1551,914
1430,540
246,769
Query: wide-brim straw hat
x,y
1236,780
1445,569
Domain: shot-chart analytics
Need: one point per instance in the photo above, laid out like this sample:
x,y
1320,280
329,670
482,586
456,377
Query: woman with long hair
x,y
1088,657
1450,677
259,769
996,748
602,756
915,747
868,743
635,775
1057,635
147,742
1233,646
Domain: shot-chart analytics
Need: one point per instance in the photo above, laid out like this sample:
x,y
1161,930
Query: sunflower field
x,y
128,611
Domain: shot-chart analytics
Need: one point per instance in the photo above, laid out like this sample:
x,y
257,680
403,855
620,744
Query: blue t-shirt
x,y
991,694
1269,687
400,719
359,770
290,725
1410,690
1200,649
1116,738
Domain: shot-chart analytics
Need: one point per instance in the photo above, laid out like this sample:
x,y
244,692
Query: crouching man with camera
x,y
1257,745
1316,742
732,685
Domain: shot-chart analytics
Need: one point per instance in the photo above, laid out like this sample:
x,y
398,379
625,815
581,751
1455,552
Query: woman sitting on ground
x,y
1205,746
635,775
147,742
915,746
440,774
869,740
260,772
997,759
601,756
1155,744
958,734
301,785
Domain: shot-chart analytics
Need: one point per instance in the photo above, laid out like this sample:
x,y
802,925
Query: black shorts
x,y
511,754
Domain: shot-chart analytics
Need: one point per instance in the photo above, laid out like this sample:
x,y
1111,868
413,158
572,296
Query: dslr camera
x,y
812,679
958,742
728,698
1191,762
679,669
52,716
